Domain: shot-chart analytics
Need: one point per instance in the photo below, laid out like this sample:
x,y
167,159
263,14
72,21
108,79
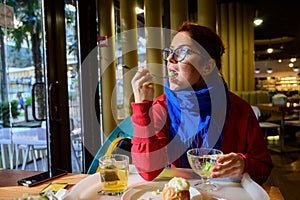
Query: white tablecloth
x,y
229,189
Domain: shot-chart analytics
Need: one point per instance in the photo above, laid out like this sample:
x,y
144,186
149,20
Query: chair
x,y
292,123
76,144
293,126
265,125
117,140
26,149
36,151
76,147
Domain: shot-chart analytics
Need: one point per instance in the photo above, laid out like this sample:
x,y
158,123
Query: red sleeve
x,y
246,139
258,161
150,138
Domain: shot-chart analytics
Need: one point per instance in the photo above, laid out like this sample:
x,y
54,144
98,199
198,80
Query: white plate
x,y
146,191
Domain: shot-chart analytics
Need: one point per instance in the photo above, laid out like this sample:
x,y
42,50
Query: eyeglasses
x,y
179,54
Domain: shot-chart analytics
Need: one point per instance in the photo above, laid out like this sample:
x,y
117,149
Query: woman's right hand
x,y
142,85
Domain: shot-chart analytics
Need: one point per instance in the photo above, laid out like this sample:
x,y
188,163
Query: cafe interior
x,y
86,94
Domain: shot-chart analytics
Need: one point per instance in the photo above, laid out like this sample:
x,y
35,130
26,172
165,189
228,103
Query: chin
x,y
175,88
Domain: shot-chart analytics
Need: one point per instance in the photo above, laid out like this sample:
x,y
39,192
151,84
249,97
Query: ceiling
x,y
279,30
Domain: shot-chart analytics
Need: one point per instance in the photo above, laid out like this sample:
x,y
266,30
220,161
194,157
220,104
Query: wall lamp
x,y
270,50
257,21
295,69
269,70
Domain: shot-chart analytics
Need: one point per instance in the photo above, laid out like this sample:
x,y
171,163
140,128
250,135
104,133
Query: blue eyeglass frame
x,y
171,51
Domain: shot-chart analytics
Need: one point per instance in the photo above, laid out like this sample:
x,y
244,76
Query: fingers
x,y
142,72
145,80
231,172
148,85
229,165
142,85
142,78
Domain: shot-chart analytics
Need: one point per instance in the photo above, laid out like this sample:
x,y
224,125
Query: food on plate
x,y
156,192
176,189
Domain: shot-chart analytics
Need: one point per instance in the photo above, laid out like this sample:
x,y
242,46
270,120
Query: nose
x,y
171,58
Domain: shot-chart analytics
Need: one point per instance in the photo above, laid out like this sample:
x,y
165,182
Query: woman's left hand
x,y
229,165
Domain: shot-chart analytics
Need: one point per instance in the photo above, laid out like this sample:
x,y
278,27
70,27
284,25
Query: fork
x,y
135,70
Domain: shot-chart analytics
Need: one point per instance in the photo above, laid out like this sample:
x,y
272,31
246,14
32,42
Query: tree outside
x,y
28,30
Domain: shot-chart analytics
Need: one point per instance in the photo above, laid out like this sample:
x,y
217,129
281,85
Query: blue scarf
x,y
196,118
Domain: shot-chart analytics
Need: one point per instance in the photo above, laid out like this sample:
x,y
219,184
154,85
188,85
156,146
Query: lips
x,y
172,73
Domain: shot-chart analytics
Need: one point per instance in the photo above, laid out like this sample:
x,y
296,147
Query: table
x,y
293,99
282,110
31,139
20,136
10,189
25,136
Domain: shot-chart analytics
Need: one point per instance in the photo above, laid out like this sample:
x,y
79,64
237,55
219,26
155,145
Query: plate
x,y
153,191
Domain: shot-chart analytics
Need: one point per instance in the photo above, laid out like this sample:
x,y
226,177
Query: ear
x,y
209,66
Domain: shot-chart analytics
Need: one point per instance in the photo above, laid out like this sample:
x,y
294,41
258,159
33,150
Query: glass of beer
x,y
114,171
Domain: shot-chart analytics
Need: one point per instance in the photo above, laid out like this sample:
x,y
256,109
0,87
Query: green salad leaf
x,y
207,166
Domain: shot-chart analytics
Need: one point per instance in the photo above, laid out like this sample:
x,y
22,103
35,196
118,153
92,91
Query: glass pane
x,y
22,136
73,87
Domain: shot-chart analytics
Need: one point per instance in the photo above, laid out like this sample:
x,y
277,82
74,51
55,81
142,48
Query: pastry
x,y
176,189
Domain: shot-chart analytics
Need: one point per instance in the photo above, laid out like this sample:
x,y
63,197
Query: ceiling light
x,y
269,70
279,61
257,71
270,50
138,10
257,21
293,59
291,64
295,69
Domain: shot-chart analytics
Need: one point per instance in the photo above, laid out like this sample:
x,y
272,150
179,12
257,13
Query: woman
x,y
196,110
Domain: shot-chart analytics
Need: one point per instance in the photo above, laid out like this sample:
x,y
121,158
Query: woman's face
x,y
187,73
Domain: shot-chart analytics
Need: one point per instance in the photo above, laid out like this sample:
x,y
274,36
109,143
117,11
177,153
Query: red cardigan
x,y
241,134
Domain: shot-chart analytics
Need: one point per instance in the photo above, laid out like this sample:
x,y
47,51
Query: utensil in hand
x,y
202,160
114,171
135,70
